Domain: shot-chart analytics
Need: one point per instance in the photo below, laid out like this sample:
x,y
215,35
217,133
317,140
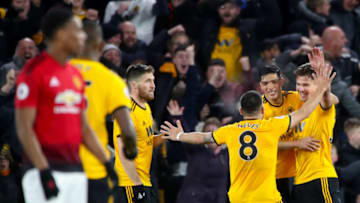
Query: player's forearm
x,y
128,133
129,165
195,138
287,145
328,100
30,143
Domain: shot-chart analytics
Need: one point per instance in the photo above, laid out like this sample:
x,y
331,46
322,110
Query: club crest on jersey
x,y
54,82
69,99
77,82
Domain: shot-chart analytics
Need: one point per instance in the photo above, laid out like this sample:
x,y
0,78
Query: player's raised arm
x,y
322,81
318,63
176,133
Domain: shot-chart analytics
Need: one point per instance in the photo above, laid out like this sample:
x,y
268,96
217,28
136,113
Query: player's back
x,y
105,92
252,146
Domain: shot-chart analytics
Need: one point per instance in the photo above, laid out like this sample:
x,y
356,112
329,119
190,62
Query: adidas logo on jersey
x,y
54,82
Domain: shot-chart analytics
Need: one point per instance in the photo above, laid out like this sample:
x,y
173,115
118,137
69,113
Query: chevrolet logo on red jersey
x,y
68,97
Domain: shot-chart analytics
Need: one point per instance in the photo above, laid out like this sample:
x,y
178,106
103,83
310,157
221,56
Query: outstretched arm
x,y
176,133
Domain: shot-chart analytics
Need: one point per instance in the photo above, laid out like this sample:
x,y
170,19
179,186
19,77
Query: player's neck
x,y
58,55
253,117
277,102
139,101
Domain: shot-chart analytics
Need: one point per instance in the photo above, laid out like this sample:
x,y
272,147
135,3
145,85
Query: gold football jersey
x,y
318,164
143,122
105,92
253,146
285,167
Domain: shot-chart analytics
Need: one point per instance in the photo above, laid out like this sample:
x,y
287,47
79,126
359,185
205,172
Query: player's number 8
x,y
247,140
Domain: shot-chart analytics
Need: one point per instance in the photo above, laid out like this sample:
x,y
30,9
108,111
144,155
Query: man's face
x,y
305,86
354,136
113,55
26,49
73,37
181,62
128,34
219,72
228,12
324,8
350,5
77,3
271,85
146,86
18,5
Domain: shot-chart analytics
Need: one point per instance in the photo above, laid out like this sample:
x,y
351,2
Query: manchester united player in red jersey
x,y
51,119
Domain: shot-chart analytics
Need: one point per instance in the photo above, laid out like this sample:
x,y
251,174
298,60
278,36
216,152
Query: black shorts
x,y
126,194
319,190
98,190
284,186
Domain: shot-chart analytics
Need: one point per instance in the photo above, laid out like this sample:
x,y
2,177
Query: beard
x,y
146,95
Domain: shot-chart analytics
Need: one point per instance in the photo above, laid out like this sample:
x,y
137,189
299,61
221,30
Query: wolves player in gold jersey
x,y
106,93
140,79
252,151
316,179
277,102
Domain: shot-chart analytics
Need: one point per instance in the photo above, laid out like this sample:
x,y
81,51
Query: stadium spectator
x,y
207,170
25,50
50,116
220,94
111,57
132,48
343,14
9,176
112,35
221,38
101,101
349,153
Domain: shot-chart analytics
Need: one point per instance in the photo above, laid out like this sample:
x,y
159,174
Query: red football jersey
x,y
57,93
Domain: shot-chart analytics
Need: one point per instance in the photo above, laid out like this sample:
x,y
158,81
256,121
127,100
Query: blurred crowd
x,y
206,54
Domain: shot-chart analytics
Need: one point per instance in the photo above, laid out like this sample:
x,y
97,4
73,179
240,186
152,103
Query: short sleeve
x,y
119,94
220,134
282,123
27,90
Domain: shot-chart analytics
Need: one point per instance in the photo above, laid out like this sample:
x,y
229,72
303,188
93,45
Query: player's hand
x,y
324,78
316,59
48,184
309,144
111,173
168,129
130,153
139,193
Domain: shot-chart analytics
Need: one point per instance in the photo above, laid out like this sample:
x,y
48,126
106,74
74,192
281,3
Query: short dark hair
x,y
267,44
53,20
182,47
351,123
305,70
93,32
270,69
217,62
133,72
251,102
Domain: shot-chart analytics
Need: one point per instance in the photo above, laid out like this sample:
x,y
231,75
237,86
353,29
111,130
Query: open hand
x,y
171,131
174,108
